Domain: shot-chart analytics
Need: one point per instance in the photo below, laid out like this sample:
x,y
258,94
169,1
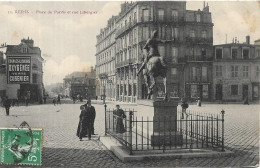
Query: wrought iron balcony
x,y
125,63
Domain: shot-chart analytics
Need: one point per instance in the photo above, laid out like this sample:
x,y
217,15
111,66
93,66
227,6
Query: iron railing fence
x,y
189,131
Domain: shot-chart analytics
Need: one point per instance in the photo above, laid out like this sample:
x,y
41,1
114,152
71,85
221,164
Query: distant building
x,y
189,56
236,71
34,89
80,83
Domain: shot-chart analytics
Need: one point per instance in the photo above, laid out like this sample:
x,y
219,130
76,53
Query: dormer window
x,y
24,50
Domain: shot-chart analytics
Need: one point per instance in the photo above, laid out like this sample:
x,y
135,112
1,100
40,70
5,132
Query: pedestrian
x,y
26,100
246,101
81,98
85,126
199,102
7,104
54,101
119,115
44,99
58,101
184,106
74,99
92,110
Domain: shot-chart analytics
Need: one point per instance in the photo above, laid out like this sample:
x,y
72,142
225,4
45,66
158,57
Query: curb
x,y
115,147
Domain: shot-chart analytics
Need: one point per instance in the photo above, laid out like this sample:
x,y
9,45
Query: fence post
x,y
105,119
130,131
223,113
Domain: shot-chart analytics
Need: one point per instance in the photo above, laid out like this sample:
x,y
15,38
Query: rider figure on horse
x,y
151,48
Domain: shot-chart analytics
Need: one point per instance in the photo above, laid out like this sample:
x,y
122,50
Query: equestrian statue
x,y
153,65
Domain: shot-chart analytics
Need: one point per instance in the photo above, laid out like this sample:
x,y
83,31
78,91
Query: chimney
x,y
248,40
235,39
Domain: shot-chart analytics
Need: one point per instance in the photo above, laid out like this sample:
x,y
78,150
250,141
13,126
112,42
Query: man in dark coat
x,y
92,115
7,105
119,114
86,124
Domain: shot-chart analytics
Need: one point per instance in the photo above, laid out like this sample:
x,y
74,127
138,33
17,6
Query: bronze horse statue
x,y
153,65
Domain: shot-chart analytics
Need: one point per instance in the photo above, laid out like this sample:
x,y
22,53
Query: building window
x,y
192,34
257,53
129,90
257,72
145,33
234,53
234,90
245,71
161,32
174,90
218,71
125,91
145,15
34,78
134,17
24,50
160,14
198,17
175,15
234,71
134,90
204,34
175,32
205,91
174,71
174,54
245,53
121,89
195,73
255,92
219,53
203,52
204,73
193,91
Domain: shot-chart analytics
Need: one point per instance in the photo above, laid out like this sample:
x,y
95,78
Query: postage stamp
x,y
20,146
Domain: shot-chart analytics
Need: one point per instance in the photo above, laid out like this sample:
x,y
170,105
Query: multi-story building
x,y
80,83
188,56
34,89
236,71
105,60
198,58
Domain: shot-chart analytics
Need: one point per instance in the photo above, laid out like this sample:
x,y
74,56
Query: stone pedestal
x,y
165,124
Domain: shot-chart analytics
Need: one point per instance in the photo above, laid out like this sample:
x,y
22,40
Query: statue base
x,y
165,124
167,139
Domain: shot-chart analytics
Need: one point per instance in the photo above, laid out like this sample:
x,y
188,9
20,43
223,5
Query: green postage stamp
x,y
20,146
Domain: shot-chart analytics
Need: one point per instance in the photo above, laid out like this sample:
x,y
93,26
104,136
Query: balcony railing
x,y
199,40
194,58
125,63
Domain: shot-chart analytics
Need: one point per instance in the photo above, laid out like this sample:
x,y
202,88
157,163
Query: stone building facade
x,y
188,56
236,71
34,89
105,60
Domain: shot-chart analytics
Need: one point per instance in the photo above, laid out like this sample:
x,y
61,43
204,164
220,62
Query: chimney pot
x,y
247,39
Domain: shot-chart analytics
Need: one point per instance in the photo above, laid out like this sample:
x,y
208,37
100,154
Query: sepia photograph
x,y
129,83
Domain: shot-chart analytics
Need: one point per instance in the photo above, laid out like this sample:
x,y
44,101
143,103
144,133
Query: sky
x,y
67,41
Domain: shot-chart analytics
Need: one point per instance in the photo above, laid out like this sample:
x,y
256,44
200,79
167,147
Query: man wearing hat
x,y
92,112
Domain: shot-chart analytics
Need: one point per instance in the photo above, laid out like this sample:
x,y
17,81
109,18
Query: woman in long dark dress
x,y
119,114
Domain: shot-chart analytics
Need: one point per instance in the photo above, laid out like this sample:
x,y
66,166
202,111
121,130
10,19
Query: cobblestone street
x,y
63,148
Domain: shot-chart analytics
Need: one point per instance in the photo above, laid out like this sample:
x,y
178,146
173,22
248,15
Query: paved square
x,y
63,148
